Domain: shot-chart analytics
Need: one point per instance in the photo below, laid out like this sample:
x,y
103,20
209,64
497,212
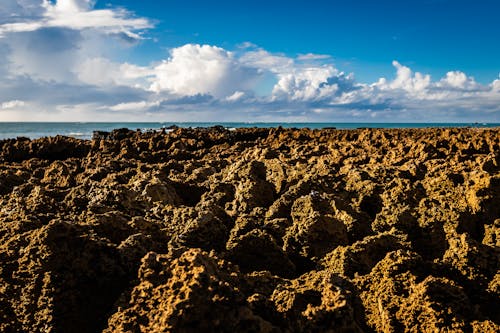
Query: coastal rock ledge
x,y
252,230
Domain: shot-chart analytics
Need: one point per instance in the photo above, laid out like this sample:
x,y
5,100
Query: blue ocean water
x,y
84,130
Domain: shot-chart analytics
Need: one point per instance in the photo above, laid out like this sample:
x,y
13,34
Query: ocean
x,y
84,130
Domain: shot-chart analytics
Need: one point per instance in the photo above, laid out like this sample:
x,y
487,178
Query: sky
x,y
267,61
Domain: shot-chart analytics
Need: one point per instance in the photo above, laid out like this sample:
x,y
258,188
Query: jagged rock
x,y
62,280
256,251
277,230
444,305
315,231
195,292
205,230
360,257
383,291
316,302
471,259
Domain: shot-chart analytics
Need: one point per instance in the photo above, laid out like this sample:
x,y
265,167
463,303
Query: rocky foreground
x,y
253,230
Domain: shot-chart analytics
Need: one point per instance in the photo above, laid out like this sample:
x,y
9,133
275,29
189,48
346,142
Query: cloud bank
x,y
58,61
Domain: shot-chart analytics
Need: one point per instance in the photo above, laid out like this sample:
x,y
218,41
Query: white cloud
x,y
76,14
306,84
60,58
458,80
455,79
103,72
202,69
312,56
69,6
56,41
264,60
238,95
14,104
452,90
414,84
495,85
134,106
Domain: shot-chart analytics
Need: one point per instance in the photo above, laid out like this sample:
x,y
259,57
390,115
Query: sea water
x,y
84,130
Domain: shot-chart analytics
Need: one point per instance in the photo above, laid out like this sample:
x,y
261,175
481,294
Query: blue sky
x,y
296,60
363,36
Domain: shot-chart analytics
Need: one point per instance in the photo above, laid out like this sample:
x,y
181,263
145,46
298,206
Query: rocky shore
x,y
252,230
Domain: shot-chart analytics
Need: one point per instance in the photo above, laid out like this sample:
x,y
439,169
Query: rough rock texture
x,y
252,230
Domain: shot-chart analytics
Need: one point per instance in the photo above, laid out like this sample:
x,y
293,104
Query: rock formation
x,y
252,230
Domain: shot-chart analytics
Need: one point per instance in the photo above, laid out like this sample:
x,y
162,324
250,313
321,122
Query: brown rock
x,y
273,230
314,231
192,293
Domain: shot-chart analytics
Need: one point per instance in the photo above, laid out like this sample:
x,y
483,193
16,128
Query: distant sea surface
x,y
85,130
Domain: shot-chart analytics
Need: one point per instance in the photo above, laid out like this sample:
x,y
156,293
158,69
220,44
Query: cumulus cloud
x,y
312,84
416,97
454,86
459,80
57,58
495,85
414,84
232,76
203,69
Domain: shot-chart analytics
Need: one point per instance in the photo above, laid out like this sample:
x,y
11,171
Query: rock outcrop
x,y
252,230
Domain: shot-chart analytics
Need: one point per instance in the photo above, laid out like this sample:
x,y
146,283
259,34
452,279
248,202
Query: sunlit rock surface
x,y
252,230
